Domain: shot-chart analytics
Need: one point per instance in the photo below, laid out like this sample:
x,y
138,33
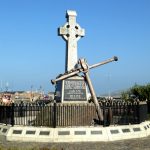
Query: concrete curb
x,y
76,134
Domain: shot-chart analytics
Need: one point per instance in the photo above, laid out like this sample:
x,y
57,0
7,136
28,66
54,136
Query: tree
x,y
141,92
125,95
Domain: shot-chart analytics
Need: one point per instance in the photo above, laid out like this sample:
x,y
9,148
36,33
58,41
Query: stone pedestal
x,y
73,89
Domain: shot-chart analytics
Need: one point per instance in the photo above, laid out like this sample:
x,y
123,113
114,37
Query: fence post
x,y
142,111
12,114
104,113
54,119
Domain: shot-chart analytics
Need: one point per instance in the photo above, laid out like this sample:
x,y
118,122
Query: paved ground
x,y
134,144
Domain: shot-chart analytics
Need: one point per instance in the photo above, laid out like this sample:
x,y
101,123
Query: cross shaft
x,y
71,32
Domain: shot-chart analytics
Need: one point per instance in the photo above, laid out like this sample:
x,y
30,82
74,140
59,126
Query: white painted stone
x,y
71,13
71,32
59,134
4,126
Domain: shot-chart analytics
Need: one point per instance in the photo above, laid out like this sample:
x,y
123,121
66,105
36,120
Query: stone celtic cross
x,y
71,32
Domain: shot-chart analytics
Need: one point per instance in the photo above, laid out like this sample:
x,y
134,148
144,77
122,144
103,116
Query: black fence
x,y
63,115
148,106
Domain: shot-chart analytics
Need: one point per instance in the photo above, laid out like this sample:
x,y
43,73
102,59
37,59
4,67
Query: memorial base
x,y
73,89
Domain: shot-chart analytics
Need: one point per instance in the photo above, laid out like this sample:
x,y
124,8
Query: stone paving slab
x,y
133,144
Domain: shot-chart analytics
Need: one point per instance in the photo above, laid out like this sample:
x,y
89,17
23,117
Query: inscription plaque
x,y
4,130
74,90
136,129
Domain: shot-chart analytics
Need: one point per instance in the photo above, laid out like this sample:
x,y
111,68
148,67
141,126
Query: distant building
x,y
6,97
51,95
25,96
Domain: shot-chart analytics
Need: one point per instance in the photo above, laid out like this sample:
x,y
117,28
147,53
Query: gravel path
x,y
134,144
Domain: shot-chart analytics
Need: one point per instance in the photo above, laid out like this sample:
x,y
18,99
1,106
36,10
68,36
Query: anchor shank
x,y
104,62
97,107
65,76
80,69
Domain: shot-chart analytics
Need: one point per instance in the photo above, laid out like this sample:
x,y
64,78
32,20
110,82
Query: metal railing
x,y
62,115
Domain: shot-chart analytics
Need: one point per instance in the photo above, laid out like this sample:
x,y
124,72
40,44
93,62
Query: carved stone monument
x,y
74,88
71,32
70,86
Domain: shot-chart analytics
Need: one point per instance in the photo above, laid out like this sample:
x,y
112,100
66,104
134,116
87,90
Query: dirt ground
x,y
134,144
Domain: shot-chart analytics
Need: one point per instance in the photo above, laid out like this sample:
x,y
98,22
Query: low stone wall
x,y
76,134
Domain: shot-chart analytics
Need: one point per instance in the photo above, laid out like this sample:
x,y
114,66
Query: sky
x,y
32,53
